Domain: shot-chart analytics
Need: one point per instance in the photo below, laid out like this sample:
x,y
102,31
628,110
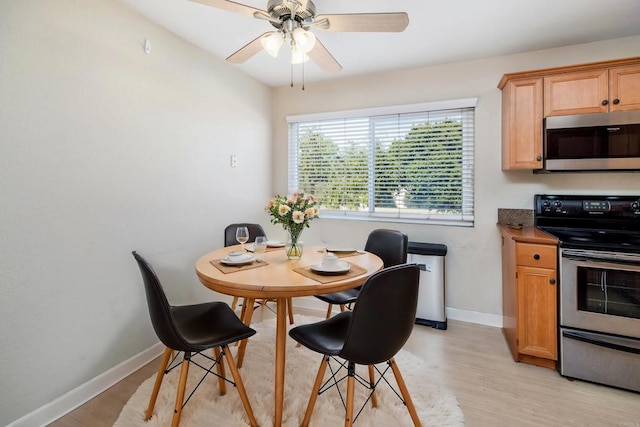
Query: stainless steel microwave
x,y
592,142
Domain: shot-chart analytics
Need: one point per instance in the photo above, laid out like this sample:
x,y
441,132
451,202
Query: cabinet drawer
x,y
536,255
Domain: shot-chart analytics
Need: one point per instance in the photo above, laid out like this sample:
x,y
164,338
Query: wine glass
x,y
242,236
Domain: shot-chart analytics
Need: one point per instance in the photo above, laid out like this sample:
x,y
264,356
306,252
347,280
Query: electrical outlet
x,y
234,161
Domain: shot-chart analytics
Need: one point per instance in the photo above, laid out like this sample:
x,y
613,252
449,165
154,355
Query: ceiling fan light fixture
x,y
298,56
272,43
305,40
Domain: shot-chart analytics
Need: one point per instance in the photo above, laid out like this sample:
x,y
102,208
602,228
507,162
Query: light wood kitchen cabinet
x,y
624,86
592,91
581,92
530,96
529,295
521,118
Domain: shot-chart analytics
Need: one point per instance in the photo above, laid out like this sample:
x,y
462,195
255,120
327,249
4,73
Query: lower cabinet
x,y
529,300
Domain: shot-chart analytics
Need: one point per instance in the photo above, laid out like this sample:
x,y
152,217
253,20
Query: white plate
x,y
275,244
338,249
238,260
339,268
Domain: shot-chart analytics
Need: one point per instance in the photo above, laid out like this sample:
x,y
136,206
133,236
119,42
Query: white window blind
x,y
409,166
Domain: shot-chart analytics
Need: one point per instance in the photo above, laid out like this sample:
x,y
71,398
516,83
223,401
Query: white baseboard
x,y
71,400
474,317
87,391
452,313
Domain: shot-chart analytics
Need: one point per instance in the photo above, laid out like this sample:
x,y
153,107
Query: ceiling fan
x,y
293,20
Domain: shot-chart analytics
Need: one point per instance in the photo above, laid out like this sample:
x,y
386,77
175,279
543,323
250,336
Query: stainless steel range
x,y
599,292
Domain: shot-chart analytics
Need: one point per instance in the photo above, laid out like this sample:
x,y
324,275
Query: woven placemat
x,y
354,270
234,268
344,254
249,248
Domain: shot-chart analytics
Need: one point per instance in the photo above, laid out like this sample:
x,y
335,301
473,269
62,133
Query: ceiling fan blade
x,y
321,56
267,17
247,51
366,22
231,6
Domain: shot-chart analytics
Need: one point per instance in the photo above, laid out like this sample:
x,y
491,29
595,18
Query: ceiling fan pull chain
x,y
303,76
291,65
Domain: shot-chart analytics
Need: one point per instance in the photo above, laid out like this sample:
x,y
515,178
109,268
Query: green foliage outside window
x,y
421,170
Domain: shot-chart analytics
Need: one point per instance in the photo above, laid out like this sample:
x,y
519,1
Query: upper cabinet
x,y
529,97
521,119
593,91
624,88
581,92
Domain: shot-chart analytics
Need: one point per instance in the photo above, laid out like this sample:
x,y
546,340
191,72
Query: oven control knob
x,y
635,205
546,204
557,204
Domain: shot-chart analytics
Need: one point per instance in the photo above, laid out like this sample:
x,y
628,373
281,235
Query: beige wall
x,y
103,150
473,263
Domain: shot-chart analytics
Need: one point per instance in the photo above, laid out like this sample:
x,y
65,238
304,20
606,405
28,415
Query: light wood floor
x,y
476,366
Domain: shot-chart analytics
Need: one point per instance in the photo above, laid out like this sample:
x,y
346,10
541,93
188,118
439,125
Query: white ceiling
x,y
439,31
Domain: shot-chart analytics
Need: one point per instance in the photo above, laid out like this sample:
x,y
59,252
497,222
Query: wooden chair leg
x,y
220,368
184,372
243,311
348,418
247,321
341,308
159,377
240,386
405,393
247,311
314,391
290,310
372,382
234,303
329,310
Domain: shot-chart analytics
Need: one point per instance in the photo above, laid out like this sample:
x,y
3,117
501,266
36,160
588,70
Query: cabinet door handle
x,y
605,102
616,101
536,256
538,158
552,281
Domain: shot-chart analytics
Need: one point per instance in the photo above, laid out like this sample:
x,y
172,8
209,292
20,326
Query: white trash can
x,y
430,259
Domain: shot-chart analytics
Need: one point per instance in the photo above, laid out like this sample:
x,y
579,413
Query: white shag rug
x,y
436,407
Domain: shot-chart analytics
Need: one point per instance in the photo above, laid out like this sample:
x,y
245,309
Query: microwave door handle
x,y
597,262
586,259
601,341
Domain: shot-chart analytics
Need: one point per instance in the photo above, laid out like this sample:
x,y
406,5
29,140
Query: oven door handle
x,y
601,341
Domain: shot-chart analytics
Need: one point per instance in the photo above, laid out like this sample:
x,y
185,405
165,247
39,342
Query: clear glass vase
x,y
294,246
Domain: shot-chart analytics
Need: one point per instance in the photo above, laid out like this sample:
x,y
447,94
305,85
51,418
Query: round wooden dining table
x,y
279,278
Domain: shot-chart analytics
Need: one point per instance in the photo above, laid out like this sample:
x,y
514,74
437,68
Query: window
x,y
410,163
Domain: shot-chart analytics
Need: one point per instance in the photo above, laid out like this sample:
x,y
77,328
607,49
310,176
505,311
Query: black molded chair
x,y
390,246
192,329
255,230
377,328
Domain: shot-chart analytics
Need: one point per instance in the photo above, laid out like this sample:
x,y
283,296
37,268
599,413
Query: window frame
x,y
466,219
